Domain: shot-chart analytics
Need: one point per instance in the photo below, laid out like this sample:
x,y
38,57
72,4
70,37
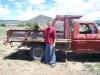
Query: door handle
x,y
80,37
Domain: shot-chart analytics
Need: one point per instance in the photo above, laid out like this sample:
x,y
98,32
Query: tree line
x,y
34,26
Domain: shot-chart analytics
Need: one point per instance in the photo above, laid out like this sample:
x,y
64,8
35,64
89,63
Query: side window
x,y
87,29
60,29
84,29
59,25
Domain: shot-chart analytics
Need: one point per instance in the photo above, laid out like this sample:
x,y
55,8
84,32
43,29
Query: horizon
x,y
26,20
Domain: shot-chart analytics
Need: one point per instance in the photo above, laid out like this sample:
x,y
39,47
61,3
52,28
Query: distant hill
x,y
41,20
10,22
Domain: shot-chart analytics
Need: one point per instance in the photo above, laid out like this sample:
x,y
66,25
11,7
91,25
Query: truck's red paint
x,y
85,42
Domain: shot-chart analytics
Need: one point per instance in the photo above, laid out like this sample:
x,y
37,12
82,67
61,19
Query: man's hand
x,y
40,28
54,42
54,45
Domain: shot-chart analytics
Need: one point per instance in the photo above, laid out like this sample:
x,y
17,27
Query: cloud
x,y
92,16
12,0
90,9
18,5
93,10
28,14
70,6
36,1
4,11
61,7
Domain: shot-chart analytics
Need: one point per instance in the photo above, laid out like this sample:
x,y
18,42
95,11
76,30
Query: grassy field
x,y
3,32
94,68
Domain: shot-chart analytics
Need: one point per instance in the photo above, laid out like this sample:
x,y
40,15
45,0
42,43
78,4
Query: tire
x,y
36,53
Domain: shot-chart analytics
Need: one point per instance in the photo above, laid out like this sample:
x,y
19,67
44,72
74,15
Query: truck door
x,y
86,38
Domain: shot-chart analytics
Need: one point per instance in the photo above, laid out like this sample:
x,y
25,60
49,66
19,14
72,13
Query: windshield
x,y
98,26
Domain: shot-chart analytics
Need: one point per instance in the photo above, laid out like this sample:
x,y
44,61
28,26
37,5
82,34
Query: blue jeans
x,y
50,56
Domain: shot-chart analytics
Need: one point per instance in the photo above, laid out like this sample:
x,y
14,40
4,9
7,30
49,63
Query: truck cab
x,y
86,37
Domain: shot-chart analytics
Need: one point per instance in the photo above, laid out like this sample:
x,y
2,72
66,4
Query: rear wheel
x,y
36,53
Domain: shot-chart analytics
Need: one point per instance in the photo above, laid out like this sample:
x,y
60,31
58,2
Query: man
x,y
50,38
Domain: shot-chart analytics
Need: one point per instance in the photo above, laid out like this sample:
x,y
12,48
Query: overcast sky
x,y
27,9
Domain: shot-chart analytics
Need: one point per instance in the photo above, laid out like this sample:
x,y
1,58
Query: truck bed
x,y
29,36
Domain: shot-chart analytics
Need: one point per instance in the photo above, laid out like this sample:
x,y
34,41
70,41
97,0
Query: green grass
x,y
2,33
36,62
93,67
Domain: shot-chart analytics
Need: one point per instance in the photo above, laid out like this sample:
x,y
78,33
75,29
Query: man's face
x,y
49,24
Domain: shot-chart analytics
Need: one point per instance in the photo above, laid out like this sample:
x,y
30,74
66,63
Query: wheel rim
x,y
37,53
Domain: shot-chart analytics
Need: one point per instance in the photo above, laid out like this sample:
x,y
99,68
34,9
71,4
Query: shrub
x,y
20,25
33,26
2,24
36,26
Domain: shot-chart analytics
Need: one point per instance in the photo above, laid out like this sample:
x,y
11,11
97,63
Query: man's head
x,y
49,24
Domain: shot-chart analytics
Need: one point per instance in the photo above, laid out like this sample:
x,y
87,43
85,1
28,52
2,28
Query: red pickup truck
x,y
73,35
